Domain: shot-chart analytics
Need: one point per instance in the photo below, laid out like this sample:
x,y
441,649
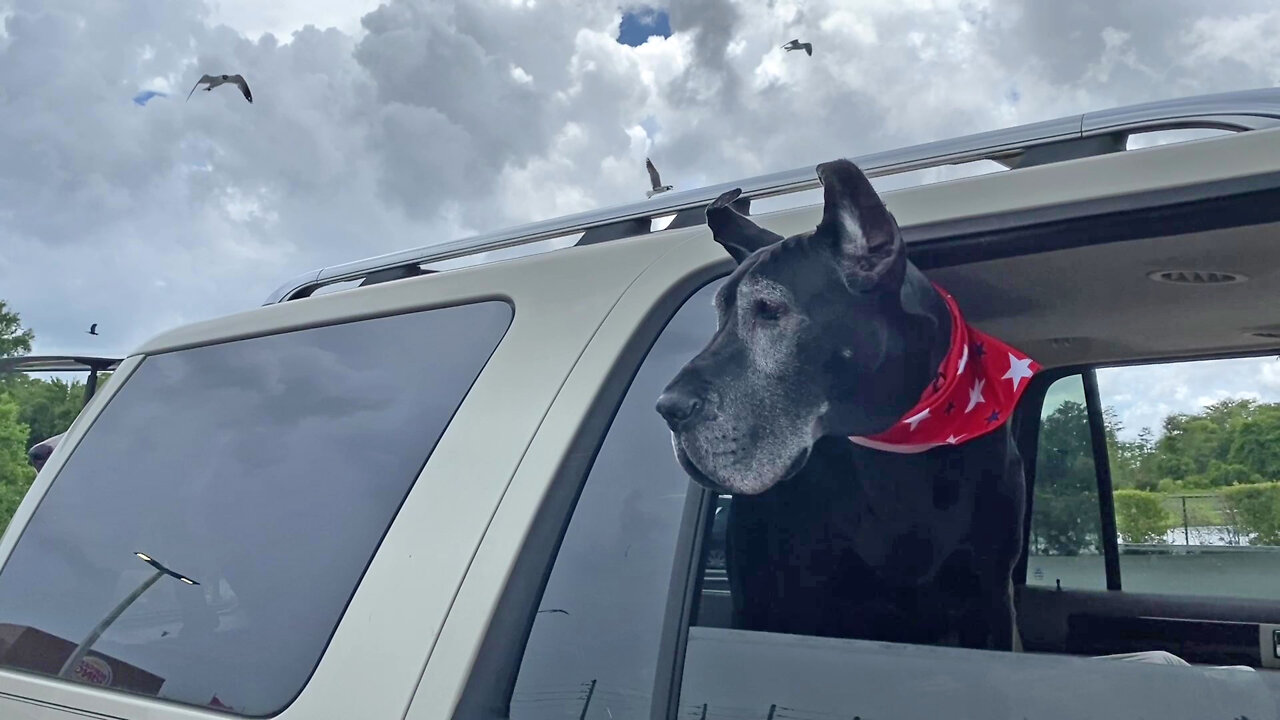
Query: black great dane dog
x,y
826,338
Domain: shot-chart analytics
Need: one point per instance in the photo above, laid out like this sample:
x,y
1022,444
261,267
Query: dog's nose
x,y
677,407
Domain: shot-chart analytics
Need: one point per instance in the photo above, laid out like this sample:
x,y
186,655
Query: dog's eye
x,y
768,309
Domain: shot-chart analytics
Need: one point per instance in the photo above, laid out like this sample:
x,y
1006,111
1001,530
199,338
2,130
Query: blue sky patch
x,y
642,22
142,97
650,125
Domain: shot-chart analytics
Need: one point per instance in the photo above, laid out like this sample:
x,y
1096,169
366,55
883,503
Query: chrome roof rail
x,y
1067,138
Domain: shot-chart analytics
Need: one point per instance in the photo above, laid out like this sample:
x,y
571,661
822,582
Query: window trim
x,y
1102,472
492,677
1026,434
683,597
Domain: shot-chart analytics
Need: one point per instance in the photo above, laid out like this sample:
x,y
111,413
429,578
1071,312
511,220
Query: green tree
x,y
1141,517
16,473
1256,509
14,339
1189,444
1132,461
1256,443
47,407
1226,475
1065,511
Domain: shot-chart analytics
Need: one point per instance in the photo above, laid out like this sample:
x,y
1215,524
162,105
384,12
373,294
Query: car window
x,y
1065,544
1197,476
203,539
593,649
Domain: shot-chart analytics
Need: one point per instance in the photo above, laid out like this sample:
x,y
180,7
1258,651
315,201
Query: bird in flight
x,y
797,45
214,81
93,329
553,610
654,179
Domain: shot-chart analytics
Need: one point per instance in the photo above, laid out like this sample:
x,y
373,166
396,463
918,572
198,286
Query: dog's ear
x,y
726,216
863,233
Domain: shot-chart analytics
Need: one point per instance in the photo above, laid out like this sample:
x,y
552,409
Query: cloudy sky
x,y
379,126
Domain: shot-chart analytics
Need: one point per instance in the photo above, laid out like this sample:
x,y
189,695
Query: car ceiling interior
x,y
1097,304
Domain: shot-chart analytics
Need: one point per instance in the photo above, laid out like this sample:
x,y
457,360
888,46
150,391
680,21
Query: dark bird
x,y
214,81
654,179
93,329
554,610
797,45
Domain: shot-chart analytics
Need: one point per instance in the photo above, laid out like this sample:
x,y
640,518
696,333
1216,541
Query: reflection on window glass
x,y
1197,479
1065,544
593,650
267,471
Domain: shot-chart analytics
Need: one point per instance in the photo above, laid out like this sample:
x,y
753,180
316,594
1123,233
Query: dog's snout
x,y
678,407
38,456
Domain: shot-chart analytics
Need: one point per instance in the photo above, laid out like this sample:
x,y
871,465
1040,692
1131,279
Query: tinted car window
x,y
593,649
266,470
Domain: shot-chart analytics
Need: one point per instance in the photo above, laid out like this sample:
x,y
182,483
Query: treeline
x,y
1232,442
1228,455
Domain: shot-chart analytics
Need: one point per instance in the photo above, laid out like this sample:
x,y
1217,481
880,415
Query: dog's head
x,y
818,334
39,453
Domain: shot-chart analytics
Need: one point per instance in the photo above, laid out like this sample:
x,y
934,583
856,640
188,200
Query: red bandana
x,y
973,393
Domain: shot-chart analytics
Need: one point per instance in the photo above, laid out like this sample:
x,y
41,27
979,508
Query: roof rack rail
x,y
1075,136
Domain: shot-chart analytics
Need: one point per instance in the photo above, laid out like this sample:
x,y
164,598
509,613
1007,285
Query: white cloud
x,y
1144,395
283,17
1269,376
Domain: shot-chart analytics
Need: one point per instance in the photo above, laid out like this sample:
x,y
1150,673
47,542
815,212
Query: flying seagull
x,y
797,45
93,329
215,80
658,187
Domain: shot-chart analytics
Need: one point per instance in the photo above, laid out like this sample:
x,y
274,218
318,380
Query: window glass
x,y
1195,460
1065,546
593,649
266,470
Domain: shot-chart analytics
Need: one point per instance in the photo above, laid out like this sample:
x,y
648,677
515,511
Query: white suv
x,y
447,494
